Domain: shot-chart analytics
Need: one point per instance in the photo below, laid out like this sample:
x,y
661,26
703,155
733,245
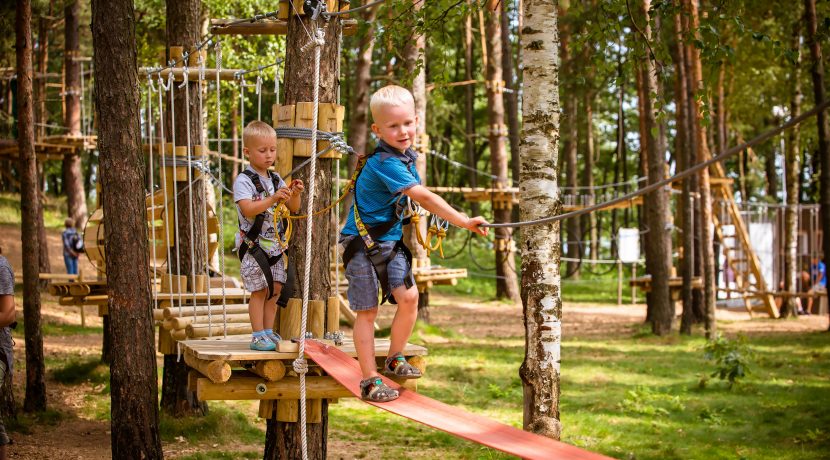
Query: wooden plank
x,y
265,27
236,348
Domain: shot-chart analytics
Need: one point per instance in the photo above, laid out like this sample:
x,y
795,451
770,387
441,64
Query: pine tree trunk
x,y
706,239
539,198
412,53
511,97
686,208
469,112
134,427
574,226
29,203
588,175
792,171
819,95
183,29
507,283
658,251
642,168
73,179
282,439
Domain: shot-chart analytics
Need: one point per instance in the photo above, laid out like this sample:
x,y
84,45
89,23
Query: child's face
x,y
261,151
396,125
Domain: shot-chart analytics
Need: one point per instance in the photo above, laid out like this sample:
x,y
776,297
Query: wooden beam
x,y
217,371
241,387
265,27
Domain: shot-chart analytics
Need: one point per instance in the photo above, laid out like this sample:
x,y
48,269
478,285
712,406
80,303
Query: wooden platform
x,y
237,348
675,284
234,295
426,277
51,147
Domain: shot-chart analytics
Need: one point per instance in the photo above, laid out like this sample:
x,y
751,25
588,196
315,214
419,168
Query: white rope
x,y
186,85
171,87
164,179
300,365
205,185
259,97
150,171
219,201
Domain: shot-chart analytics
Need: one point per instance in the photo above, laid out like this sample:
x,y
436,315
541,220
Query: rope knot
x,y
300,366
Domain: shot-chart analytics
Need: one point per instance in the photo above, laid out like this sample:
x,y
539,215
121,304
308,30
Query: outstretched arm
x,y
436,205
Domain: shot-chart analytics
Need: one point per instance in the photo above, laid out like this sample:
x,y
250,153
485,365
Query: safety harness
x,y
250,245
367,242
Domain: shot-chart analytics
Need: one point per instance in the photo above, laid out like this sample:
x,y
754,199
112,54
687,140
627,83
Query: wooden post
x,y
634,286
333,314
619,282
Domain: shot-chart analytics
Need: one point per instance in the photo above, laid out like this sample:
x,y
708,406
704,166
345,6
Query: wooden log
x,y
333,314
198,283
158,314
67,301
290,318
167,325
271,370
184,321
266,408
317,318
202,310
165,342
57,276
79,289
173,283
217,371
198,331
178,335
288,410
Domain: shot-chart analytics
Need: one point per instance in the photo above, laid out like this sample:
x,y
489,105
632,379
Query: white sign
x,y
628,245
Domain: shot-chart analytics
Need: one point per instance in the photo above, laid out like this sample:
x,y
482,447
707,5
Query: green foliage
x,y
732,358
221,425
648,401
91,370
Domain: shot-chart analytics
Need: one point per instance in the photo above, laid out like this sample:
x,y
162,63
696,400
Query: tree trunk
x,y
539,198
412,53
706,239
792,171
642,168
588,175
44,264
817,74
658,251
73,179
511,97
507,283
189,256
29,204
359,123
282,439
133,376
469,107
771,174
574,226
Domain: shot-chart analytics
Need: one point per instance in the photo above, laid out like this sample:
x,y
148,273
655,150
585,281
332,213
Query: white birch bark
x,y
539,198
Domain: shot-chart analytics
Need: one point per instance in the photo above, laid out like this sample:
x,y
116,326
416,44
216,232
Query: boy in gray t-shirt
x,y
7,317
257,192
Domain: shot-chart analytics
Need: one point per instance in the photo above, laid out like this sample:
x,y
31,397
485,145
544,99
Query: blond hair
x,y
69,222
390,96
256,130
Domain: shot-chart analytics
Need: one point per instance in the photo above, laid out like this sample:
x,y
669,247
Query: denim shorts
x,y
363,282
254,279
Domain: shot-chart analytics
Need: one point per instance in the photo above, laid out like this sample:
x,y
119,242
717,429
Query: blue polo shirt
x,y
387,173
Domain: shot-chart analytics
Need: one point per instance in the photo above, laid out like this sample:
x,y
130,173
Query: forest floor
x,y
625,393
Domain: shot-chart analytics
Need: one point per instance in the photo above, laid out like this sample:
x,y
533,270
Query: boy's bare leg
x,y
364,341
270,310
255,308
404,319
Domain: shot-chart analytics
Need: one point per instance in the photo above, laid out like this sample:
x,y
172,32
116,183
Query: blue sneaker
x,y
262,344
273,336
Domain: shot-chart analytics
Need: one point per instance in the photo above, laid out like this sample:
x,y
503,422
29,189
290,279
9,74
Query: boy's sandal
x,y
373,389
397,366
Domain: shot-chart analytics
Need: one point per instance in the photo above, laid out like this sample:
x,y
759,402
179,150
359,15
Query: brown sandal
x,y
373,389
397,366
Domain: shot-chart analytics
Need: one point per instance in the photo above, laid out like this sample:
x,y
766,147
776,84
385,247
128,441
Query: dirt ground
x,y
77,436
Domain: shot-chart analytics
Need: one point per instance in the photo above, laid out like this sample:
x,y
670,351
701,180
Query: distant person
x,y
72,245
817,283
7,318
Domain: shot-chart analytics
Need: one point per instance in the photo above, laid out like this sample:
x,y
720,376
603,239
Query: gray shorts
x,y
254,279
4,438
363,282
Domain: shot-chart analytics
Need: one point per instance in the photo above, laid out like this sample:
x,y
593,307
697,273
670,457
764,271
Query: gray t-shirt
x,y
6,288
244,189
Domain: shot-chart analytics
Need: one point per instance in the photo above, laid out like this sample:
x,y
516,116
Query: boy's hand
x,y
296,187
281,195
473,224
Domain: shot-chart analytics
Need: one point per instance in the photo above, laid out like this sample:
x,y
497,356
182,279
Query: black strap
x,y
379,262
249,244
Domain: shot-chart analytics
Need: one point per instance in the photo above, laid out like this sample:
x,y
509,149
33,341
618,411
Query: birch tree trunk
x,y
134,381
507,283
706,239
35,399
792,168
819,95
539,198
